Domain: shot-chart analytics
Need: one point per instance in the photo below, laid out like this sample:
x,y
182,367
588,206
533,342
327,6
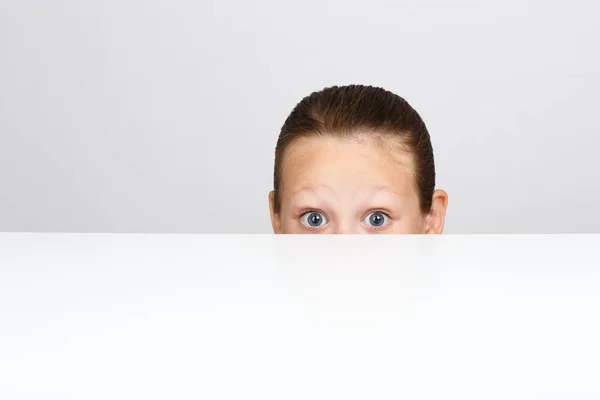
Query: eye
x,y
313,219
376,219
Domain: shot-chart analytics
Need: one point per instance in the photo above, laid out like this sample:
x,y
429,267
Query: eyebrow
x,y
313,188
384,188
374,191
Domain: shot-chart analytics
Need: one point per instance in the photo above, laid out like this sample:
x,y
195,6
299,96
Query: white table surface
x,y
104,316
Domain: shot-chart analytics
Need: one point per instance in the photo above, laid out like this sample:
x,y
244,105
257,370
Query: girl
x,y
355,159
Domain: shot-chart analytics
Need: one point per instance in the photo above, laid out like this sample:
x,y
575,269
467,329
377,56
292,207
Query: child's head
x,y
355,159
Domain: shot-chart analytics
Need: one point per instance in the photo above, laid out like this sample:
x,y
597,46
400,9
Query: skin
x,y
352,185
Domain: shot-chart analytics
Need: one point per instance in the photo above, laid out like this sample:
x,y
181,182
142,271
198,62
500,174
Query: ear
x,y
434,220
275,221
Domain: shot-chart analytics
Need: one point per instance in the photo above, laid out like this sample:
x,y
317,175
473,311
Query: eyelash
x,y
387,214
309,210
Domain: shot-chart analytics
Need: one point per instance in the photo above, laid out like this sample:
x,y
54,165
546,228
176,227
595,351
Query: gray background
x,y
162,116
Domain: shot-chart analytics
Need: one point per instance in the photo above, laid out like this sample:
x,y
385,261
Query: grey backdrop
x,y
162,116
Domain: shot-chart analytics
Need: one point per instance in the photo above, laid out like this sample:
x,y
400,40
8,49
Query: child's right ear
x,y
275,222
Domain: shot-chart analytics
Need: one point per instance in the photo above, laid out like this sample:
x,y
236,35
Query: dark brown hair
x,y
347,110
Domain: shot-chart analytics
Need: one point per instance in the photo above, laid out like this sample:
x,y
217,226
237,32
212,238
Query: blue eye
x,y
313,219
376,219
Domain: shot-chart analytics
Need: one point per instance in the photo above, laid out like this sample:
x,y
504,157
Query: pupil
x,y
314,219
376,219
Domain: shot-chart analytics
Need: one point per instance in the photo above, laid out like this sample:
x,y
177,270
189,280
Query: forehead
x,y
352,161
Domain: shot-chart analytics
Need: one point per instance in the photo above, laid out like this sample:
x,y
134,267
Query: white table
x,y
101,316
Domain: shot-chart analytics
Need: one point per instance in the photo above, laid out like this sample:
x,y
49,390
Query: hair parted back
x,y
352,109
